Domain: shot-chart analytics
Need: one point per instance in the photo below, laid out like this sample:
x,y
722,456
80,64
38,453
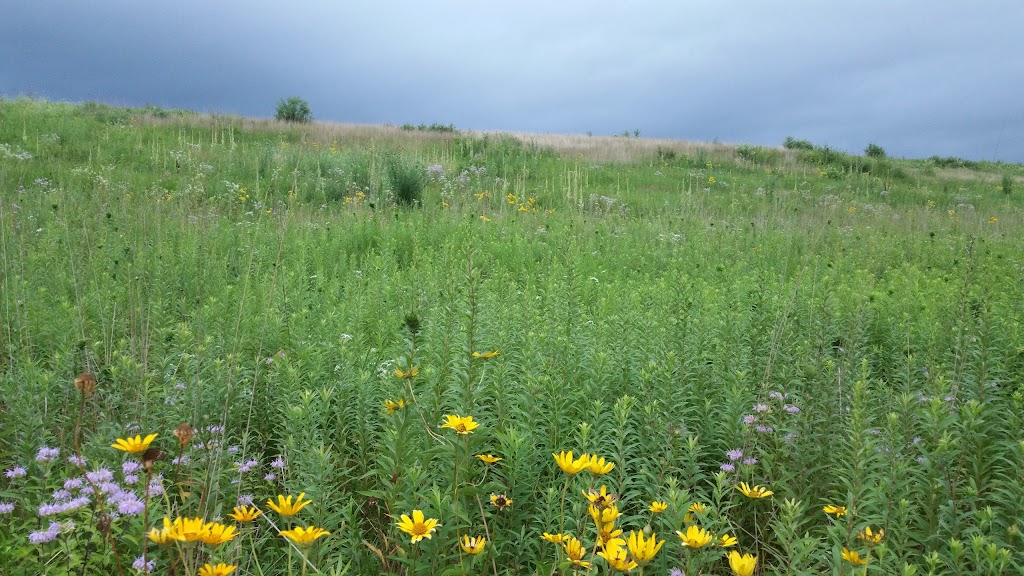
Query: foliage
x,y
791,143
407,180
293,109
874,151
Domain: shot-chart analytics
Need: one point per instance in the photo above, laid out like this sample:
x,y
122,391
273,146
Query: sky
x,y
917,77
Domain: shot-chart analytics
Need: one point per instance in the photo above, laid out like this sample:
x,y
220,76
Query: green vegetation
x,y
846,333
293,109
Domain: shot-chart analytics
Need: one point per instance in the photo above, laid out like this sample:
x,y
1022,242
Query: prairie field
x,y
775,361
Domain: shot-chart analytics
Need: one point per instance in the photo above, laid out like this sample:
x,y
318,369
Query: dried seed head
x,y
149,457
184,433
86,384
103,524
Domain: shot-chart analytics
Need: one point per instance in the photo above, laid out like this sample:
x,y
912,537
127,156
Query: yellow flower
x,y
392,406
217,534
643,551
871,538
486,355
284,506
218,570
658,507
189,529
304,536
474,545
136,445
570,466
615,553
694,537
418,527
837,511
711,179
501,501
853,557
598,467
408,373
606,532
600,499
461,424
755,492
485,218
166,534
488,458
244,514
742,565
697,508
726,540
604,515
574,550
555,538
992,219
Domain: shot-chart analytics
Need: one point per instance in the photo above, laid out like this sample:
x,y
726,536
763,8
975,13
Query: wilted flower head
x,y
86,384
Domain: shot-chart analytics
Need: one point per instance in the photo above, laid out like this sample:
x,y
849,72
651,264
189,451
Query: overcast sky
x,y
918,77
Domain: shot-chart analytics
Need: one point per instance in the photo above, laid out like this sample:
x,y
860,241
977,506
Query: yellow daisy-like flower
x,y
570,466
603,515
486,355
393,406
474,545
407,374
725,541
694,537
871,538
754,492
742,565
616,554
555,538
575,551
244,514
598,466
304,536
166,534
488,458
485,218
600,499
136,445
284,506
217,534
658,507
697,508
189,529
854,557
607,532
461,424
643,551
418,526
500,501
218,570
837,511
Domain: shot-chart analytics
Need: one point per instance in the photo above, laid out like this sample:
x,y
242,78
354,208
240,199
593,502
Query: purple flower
x,y
6,507
143,566
43,536
749,419
776,395
47,454
676,572
73,483
759,407
100,476
277,463
734,455
232,449
214,429
791,409
270,477
77,460
16,472
727,467
270,360
131,479
156,486
764,429
131,506
182,460
750,461
246,466
917,439
179,386
130,467
62,495
245,500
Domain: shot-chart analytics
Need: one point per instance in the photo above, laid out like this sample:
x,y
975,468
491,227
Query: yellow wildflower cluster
x,y
192,530
596,465
356,199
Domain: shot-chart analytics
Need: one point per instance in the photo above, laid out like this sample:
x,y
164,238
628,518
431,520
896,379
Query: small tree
x,y
294,109
874,151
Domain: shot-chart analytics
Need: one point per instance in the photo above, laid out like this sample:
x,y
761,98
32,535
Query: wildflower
x,y
218,570
871,538
6,507
764,429
474,545
130,506
77,460
607,532
217,534
184,433
163,535
500,501
143,566
574,550
16,472
47,454
854,557
393,406
304,536
658,507
711,179
247,466
461,424
992,219
73,483
603,516
270,476
694,537
418,527
697,508
643,551
725,541
486,355
600,499
727,467
284,506
598,467
837,511
570,466
244,500
755,492
86,384
407,374
734,455
488,458
742,565
615,553
245,514
100,476
791,409
750,461
136,445
485,218
277,463
553,538
44,536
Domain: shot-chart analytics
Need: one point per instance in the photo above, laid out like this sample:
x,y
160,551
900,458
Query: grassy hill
x,y
312,301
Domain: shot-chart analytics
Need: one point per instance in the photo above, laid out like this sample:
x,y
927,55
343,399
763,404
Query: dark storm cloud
x,y
917,77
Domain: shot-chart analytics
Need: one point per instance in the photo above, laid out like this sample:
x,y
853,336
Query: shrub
x,y
793,144
407,180
1007,184
758,155
294,109
874,151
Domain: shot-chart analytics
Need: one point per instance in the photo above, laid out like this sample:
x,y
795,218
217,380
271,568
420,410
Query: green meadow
x,y
319,309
